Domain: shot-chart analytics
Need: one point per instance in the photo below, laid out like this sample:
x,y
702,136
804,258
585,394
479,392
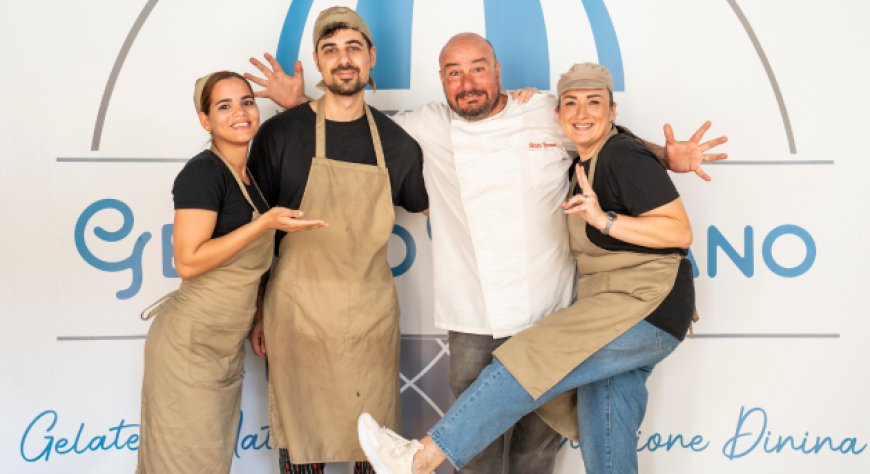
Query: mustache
x,y
347,67
469,92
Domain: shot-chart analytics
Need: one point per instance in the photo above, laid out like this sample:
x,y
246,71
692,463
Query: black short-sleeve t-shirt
x,y
205,182
283,148
630,180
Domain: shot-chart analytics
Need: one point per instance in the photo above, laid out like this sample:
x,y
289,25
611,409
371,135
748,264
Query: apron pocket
x,y
216,355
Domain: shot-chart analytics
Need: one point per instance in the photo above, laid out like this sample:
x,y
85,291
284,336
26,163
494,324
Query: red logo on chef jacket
x,y
542,145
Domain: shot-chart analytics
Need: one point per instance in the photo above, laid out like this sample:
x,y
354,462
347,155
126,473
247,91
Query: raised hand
x,y
286,91
685,156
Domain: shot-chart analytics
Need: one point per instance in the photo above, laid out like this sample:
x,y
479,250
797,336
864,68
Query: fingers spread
x,y
262,67
715,157
256,80
276,66
669,133
701,131
712,143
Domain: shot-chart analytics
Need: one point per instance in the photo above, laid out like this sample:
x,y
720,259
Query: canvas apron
x,y
616,290
332,314
194,356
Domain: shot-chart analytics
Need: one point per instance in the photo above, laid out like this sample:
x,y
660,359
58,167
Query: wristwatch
x,y
611,216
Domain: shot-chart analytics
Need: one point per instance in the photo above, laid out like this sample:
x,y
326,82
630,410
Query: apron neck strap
x,y
320,134
591,175
239,181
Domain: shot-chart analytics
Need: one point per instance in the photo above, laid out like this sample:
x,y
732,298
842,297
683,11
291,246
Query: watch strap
x,y
611,216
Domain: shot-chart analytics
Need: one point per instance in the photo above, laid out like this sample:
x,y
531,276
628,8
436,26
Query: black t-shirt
x,y
205,182
630,180
283,148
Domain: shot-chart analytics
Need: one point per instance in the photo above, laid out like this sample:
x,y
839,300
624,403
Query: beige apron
x,y
616,290
331,312
194,356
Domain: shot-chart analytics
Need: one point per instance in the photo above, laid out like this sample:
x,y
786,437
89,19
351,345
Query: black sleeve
x,y
412,194
640,181
261,163
199,185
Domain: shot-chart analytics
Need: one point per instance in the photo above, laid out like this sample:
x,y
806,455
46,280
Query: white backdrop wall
x,y
776,382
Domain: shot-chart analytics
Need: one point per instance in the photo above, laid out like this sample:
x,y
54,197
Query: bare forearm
x,y
650,231
214,252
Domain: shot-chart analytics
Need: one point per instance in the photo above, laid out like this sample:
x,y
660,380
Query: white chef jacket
x,y
501,258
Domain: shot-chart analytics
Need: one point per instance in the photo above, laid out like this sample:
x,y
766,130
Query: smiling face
x,y
586,117
345,61
470,76
233,117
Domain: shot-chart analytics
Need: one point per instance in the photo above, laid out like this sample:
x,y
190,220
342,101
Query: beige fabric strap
x,y
376,138
239,181
320,134
591,174
154,308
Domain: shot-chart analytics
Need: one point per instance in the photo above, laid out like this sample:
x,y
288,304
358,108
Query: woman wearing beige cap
x,y
223,237
635,301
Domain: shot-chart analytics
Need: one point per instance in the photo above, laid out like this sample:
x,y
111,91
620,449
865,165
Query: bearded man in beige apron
x,y
635,303
224,238
331,315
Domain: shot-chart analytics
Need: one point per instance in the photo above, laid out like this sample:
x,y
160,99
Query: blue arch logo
x,y
525,59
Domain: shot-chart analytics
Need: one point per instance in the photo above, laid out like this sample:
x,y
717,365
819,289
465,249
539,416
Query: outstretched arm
x,y
196,252
286,91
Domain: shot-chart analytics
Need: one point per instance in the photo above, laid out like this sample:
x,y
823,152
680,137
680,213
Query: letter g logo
x,y
133,262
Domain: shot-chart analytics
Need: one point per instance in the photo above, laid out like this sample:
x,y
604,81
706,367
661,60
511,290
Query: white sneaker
x,y
388,452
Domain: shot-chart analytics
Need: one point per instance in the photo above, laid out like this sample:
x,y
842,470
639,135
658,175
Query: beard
x,y
345,87
475,112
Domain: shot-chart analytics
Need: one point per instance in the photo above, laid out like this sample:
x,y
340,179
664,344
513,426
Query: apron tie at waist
x,y
154,308
695,318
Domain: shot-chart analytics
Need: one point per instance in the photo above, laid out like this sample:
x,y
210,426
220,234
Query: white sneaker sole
x,y
369,448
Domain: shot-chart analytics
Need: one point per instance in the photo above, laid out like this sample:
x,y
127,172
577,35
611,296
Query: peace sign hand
x,y
586,203
685,156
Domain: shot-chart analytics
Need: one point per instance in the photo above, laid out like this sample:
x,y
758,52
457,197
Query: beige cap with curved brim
x,y
340,15
585,76
197,91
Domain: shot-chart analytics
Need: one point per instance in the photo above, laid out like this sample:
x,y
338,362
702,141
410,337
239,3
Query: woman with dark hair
x,y
635,301
223,242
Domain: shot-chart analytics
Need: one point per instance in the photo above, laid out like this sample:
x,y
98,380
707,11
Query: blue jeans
x,y
612,400
531,447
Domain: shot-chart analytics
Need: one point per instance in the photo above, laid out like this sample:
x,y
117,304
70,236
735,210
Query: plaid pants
x,y
287,467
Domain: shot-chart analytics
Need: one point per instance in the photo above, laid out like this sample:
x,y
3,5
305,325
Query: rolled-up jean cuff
x,y
436,438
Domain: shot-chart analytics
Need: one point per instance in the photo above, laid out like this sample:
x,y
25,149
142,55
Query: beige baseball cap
x,y
197,91
340,15
585,76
